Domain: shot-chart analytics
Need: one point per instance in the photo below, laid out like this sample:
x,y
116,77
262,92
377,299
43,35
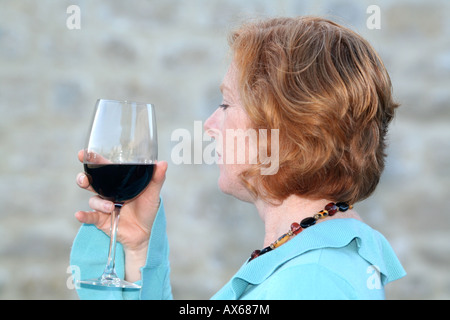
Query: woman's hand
x,y
136,218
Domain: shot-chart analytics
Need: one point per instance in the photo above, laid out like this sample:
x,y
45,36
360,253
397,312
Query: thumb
x,y
159,176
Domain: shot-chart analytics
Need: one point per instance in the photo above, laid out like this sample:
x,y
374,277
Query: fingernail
x,y
81,178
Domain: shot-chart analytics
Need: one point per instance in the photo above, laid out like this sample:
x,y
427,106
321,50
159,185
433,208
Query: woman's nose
x,y
210,125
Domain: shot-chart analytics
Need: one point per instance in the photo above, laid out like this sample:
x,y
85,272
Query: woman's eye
x,y
223,106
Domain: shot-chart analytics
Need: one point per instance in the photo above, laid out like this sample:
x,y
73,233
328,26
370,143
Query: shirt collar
x,y
336,233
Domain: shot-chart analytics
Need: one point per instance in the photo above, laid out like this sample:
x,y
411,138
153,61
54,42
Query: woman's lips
x,y
219,158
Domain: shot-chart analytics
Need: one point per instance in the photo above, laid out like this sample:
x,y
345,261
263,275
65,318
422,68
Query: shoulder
x,y
326,273
307,282
334,271
340,259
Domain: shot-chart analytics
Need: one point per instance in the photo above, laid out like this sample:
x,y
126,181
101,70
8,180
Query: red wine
x,y
119,182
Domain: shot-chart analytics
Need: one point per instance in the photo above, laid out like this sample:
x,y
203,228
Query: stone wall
x,y
174,54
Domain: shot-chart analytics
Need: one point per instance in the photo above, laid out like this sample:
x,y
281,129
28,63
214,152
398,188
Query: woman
x,y
328,95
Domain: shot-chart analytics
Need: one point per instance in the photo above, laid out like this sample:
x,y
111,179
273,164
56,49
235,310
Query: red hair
x,y
327,91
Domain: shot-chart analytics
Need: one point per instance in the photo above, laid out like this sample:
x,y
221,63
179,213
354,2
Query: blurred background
x,y
174,54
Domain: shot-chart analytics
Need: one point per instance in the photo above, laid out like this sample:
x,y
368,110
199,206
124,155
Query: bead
x,y
331,208
324,213
296,228
307,222
321,214
343,206
281,240
265,250
255,254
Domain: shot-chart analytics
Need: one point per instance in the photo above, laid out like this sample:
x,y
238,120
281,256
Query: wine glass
x,y
119,161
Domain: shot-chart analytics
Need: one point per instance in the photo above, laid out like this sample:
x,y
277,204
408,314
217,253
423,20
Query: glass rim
x,y
131,102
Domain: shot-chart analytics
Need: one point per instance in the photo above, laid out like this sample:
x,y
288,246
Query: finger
x,y
101,205
160,173
83,182
158,179
81,155
92,157
99,219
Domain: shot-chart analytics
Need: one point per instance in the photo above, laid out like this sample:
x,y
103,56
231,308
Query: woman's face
x,y
228,126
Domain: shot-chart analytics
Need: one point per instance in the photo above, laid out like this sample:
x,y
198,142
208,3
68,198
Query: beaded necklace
x,y
330,210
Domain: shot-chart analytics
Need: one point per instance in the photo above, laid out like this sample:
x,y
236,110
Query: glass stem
x,y
110,272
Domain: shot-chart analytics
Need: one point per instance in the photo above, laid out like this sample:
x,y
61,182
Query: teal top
x,y
335,259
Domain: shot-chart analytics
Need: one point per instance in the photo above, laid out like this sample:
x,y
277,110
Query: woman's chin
x,y
234,188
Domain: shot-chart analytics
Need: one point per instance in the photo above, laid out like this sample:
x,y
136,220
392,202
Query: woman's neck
x,y
278,218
